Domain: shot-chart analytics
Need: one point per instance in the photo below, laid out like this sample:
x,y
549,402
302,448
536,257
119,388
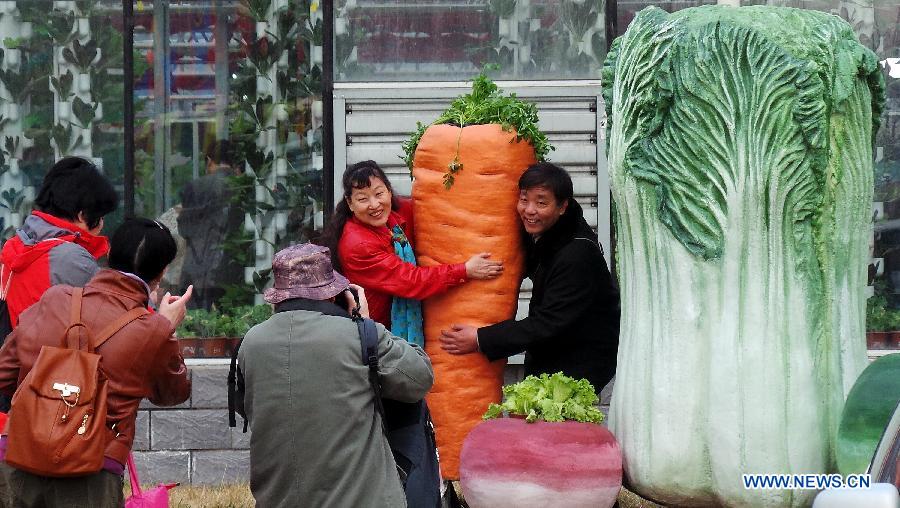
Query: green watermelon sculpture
x,y
740,160
867,414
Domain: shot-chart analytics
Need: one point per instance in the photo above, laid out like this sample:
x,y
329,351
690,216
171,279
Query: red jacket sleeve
x,y
376,266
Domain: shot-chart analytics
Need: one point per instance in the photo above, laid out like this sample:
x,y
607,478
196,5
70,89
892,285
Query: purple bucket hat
x,y
304,271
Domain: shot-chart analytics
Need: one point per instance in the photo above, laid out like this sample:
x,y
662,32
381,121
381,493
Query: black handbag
x,y
408,429
236,390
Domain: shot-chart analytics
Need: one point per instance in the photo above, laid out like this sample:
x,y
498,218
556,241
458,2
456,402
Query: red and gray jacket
x,y
46,251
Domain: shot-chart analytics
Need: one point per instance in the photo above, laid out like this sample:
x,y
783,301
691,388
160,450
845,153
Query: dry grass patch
x,y
628,499
208,496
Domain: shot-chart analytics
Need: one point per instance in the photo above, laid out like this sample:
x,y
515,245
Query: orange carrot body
x,y
477,214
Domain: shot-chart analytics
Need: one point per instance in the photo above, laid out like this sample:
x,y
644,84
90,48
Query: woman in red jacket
x,y
60,242
370,237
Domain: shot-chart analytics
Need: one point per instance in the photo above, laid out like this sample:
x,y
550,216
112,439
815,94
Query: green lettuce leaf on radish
x,y
551,398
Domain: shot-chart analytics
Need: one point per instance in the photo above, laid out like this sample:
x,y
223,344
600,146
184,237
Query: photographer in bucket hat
x,y
317,439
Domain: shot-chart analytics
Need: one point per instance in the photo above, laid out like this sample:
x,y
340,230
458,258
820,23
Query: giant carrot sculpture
x,y
464,199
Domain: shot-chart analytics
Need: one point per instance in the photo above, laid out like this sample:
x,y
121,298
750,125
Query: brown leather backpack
x,y
57,424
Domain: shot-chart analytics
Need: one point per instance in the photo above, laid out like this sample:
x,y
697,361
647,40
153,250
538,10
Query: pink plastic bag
x,y
157,497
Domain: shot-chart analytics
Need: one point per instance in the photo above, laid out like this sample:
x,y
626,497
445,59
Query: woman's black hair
x,y
143,247
545,174
72,186
356,176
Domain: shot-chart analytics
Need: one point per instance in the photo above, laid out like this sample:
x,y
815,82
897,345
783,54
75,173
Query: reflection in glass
x,y
444,40
62,89
626,10
229,150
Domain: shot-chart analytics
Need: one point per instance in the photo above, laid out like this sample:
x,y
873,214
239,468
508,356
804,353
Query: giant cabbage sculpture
x,y
740,149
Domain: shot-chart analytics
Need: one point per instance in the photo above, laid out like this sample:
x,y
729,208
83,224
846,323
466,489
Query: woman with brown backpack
x,y
80,362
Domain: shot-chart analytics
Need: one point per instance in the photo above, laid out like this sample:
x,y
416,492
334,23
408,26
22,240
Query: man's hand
x,y
174,308
362,305
460,339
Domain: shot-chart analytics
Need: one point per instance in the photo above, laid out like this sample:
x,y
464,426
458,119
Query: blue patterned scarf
x,y
406,313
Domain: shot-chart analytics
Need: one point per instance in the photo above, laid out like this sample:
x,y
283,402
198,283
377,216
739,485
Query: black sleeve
x,y
571,287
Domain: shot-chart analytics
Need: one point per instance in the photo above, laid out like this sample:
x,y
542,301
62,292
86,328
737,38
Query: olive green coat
x,y
316,439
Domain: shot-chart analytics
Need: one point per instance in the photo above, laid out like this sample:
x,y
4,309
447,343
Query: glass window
x,y
627,9
228,137
450,40
62,86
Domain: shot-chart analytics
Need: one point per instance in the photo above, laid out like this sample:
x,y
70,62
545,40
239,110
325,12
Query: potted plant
x,y
882,322
13,55
216,344
82,56
62,85
62,137
13,200
215,334
504,9
196,324
571,460
205,331
19,87
84,112
9,150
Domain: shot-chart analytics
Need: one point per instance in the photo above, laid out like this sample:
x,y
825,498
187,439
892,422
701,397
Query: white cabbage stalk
x,y
740,155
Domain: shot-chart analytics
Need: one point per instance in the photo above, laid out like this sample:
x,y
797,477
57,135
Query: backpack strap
x,y
368,335
74,320
236,391
75,314
117,325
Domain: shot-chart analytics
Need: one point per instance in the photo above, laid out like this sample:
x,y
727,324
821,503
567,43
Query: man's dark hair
x,y
143,247
74,185
555,178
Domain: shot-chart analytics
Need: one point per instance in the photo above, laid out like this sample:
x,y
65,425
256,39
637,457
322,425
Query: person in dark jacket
x,y
207,218
573,318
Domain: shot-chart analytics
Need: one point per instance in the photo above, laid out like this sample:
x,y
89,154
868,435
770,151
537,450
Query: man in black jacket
x,y
573,318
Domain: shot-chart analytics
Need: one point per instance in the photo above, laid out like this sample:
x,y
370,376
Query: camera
x,y
355,294
342,301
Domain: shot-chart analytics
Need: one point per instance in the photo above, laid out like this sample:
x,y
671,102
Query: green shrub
x,y
233,322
